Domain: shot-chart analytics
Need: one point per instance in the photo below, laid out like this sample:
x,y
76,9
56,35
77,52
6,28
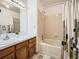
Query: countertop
x,y
13,41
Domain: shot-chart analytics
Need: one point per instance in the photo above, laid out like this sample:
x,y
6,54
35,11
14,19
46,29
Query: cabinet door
x,y
31,52
10,56
32,47
21,53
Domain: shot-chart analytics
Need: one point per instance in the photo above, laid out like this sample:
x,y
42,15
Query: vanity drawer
x,y
20,45
32,40
7,51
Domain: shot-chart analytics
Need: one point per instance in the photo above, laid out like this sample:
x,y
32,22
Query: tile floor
x,y
41,56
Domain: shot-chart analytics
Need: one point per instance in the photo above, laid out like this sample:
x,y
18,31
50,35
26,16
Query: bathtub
x,y
51,48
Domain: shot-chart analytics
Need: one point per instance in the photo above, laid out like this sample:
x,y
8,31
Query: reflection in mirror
x,y
9,18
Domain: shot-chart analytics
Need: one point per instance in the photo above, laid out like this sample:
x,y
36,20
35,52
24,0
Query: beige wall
x,y
53,26
50,26
50,23
41,20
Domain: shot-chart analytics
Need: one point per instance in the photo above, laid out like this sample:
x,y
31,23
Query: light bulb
x,y
7,6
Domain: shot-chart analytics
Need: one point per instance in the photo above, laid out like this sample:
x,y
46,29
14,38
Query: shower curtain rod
x,y
60,3
57,4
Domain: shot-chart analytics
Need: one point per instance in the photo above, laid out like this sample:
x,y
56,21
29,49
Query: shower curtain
x,y
70,29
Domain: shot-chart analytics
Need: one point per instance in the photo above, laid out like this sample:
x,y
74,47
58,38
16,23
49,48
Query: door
x,y
32,47
31,52
22,53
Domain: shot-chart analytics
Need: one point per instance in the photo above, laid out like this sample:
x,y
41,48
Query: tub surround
x,y
50,50
53,42
13,41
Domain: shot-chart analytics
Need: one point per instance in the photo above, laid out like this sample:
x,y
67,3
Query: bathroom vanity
x,y
22,50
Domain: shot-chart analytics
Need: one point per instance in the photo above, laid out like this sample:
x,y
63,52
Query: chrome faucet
x,y
7,37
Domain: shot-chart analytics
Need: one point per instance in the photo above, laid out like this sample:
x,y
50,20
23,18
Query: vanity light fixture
x,y
16,3
7,6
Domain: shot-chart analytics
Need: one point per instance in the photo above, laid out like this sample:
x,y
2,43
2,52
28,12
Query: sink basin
x,y
12,40
8,36
1,40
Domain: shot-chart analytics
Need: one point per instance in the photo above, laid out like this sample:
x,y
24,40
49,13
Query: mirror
x,y
9,18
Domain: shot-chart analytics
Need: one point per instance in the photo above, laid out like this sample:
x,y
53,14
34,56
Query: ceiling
x,y
45,3
48,3
3,3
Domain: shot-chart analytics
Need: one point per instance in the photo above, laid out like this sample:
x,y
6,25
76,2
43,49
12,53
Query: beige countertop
x,y
13,41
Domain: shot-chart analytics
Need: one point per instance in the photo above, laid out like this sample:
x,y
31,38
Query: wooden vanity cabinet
x,y
22,50
8,53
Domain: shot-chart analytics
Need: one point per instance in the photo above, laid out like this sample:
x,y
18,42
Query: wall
x,y
50,24
54,22
28,17
41,25
53,27
32,16
24,19
55,9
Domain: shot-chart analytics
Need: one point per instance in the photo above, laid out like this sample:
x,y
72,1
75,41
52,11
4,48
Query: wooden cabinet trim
x,y
7,51
32,42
